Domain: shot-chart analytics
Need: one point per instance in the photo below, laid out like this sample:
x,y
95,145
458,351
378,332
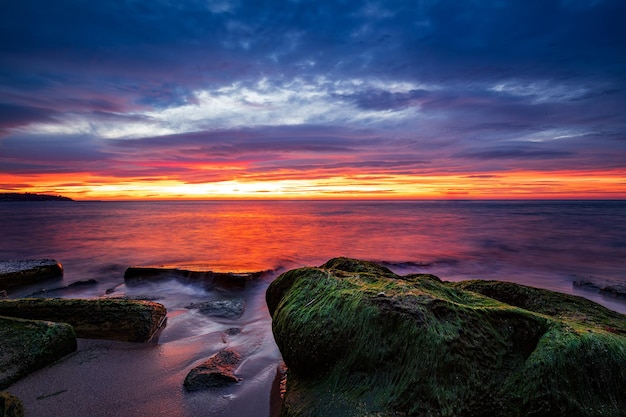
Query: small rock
x,y
216,372
10,405
76,284
230,309
607,286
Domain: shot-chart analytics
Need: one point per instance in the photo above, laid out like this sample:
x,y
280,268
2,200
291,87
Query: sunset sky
x,y
313,99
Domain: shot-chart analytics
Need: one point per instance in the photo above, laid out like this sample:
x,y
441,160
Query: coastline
x,y
104,377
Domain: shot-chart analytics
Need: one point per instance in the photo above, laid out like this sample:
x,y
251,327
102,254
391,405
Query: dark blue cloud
x,y
517,153
12,115
66,153
436,39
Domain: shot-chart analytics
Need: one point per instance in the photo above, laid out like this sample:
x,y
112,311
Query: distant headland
x,y
32,197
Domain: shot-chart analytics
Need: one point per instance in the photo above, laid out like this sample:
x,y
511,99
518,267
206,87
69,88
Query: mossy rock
x,y
102,318
359,340
27,345
19,272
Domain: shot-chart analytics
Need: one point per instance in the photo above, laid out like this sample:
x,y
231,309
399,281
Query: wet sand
x,y
109,378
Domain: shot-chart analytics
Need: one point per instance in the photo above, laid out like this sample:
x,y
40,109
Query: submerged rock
x,y
606,286
117,319
216,372
431,348
65,289
210,279
230,309
10,405
17,272
27,345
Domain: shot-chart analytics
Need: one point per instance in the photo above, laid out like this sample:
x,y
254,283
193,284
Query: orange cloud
x,y
608,184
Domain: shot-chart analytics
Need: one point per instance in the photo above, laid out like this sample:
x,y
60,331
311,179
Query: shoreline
x,y
105,377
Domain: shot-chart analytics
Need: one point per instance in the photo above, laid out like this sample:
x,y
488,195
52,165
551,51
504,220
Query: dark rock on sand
x,y
606,286
230,309
233,331
210,279
10,405
431,348
27,345
17,272
216,372
127,320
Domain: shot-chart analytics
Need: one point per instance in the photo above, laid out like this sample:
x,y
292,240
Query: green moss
x,y
118,319
27,345
575,310
361,340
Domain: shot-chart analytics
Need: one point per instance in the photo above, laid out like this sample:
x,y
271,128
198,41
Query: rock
x,y
216,372
10,405
431,348
563,306
210,279
277,393
230,309
117,319
17,272
53,291
607,286
233,331
27,345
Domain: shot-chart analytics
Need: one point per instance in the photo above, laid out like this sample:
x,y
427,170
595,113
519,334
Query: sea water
x,y
548,244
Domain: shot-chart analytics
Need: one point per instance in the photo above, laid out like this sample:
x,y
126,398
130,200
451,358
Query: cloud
x,y
52,154
12,115
205,89
518,153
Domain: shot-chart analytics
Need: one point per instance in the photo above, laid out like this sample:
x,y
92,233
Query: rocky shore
x,y
356,339
35,332
359,340
38,331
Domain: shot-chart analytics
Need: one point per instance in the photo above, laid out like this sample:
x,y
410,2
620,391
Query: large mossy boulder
x,y
17,272
116,319
27,345
359,340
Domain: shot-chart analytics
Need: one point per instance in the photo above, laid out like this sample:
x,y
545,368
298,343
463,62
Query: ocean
x,y
546,244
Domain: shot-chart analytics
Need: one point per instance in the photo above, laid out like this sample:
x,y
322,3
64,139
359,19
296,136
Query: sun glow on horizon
x,y
510,185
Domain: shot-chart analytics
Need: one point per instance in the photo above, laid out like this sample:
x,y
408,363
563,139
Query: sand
x,y
109,378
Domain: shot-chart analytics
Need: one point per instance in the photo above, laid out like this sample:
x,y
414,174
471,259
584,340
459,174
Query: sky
x,y
467,99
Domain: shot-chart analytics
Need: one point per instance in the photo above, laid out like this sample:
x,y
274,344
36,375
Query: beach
x,y
543,244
